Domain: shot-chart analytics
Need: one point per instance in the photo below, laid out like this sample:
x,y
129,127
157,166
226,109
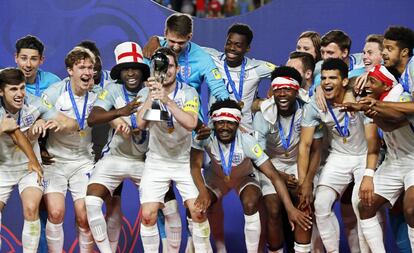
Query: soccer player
x,y
72,151
123,157
168,156
278,130
29,56
383,185
20,156
354,146
232,156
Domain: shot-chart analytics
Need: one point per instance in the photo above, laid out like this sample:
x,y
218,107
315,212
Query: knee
x,y
409,215
274,211
56,215
366,212
250,205
82,221
320,206
149,217
31,211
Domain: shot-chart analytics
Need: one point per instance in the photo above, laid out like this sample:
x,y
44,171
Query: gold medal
x,y
286,154
344,140
82,133
170,130
241,103
17,149
226,179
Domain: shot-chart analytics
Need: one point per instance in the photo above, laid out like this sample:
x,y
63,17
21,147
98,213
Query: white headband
x,y
285,82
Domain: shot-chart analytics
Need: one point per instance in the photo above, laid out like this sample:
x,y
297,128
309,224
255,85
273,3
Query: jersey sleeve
x,y
191,103
51,94
264,69
261,128
253,150
212,76
200,144
310,117
46,112
106,98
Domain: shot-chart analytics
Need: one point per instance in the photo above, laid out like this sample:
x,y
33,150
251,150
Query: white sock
x,y
85,240
275,251
350,227
373,234
326,220
201,237
190,245
411,236
252,229
150,238
55,237
114,224
301,248
172,225
363,245
30,236
316,241
97,223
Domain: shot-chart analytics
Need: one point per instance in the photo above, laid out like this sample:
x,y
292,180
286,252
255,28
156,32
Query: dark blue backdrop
x,y
62,24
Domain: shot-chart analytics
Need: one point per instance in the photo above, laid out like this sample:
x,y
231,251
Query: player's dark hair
x,y
227,103
242,29
404,37
287,72
335,64
11,76
30,42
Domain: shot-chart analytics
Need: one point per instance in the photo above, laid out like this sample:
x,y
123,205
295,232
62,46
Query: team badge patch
x,y
237,158
28,120
216,74
103,94
46,103
271,66
257,150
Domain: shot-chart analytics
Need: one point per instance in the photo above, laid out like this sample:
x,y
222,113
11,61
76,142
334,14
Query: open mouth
x,y
131,81
18,101
283,102
368,91
328,89
27,71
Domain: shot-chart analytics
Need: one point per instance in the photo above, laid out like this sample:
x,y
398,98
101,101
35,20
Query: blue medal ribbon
x,y
226,167
405,80
38,93
79,119
238,94
286,141
342,130
133,117
351,63
103,77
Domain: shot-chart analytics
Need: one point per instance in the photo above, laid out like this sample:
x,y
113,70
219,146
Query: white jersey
x,y
400,142
246,151
33,108
133,148
355,143
255,70
407,77
172,147
69,147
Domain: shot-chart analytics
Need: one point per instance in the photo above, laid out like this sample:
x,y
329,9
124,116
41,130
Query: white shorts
x,y
392,178
265,183
157,177
340,170
220,187
111,170
18,175
74,176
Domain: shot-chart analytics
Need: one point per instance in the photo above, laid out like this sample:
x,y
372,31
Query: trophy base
x,y
155,115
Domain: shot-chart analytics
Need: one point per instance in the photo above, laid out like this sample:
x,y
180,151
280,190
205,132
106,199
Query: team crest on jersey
x,y
271,66
246,75
216,74
257,150
182,71
28,120
237,158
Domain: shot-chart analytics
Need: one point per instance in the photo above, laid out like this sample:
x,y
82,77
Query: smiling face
x,y
332,50
81,74
371,55
375,88
306,45
132,78
391,54
226,130
235,49
285,99
13,96
333,85
28,61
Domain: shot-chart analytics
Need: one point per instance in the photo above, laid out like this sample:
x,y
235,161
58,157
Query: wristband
x,y
369,172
